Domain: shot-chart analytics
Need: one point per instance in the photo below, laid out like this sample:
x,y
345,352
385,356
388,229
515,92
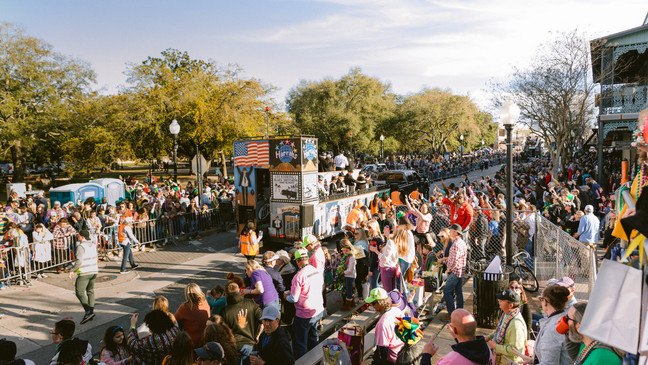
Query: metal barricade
x,y
18,264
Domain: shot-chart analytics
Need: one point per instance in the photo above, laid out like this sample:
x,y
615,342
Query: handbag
x,y
335,352
353,337
613,313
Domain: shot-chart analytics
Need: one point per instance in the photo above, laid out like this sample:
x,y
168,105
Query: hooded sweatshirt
x,y
236,303
475,352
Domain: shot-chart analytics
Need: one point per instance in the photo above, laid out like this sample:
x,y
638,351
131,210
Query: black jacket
x,y
277,350
476,351
277,280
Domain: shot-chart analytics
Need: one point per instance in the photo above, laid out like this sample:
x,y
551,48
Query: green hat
x,y
399,215
375,294
301,253
309,240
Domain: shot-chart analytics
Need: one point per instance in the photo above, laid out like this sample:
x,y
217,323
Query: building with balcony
x,y
620,66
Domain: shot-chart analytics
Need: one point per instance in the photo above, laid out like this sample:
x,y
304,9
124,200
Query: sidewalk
x,y
28,313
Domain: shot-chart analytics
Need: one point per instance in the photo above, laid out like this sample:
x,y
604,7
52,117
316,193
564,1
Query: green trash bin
x,y
485,306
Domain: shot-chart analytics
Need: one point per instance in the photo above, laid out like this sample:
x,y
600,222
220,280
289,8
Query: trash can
x,y
485,306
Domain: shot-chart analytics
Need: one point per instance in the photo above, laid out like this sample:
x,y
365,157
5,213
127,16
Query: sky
x,y
410,44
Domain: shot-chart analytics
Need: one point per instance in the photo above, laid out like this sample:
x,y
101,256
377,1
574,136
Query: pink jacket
x,y
454,358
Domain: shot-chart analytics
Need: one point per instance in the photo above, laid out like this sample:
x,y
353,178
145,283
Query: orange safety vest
x,y
395,198
373,207
353,218
247,248
414,195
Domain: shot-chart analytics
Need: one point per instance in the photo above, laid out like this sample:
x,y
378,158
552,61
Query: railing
x,y
19,263
625,99
347,194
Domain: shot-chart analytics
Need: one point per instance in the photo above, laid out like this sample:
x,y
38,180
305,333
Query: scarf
x,y
587,350
503,325
338,279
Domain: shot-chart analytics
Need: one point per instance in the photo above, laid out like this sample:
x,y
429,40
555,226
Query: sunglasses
x,y
515,287
570,319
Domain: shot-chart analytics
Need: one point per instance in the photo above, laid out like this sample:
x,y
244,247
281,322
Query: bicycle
x,y
526,276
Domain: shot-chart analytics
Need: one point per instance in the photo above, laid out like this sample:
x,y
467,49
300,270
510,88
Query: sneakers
x,y
43,275
134,267
87,318
39,276
124,272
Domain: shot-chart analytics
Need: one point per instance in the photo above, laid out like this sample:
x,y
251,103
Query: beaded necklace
x,y
585,353
640,180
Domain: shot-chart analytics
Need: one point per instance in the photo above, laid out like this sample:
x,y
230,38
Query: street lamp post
x,y
267,122
382,146
351,137
508,116
174,128
462,148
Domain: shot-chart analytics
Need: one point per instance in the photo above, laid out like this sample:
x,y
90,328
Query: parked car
x,y
404,180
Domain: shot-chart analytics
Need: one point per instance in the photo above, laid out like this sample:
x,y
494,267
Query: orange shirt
x,y
193,320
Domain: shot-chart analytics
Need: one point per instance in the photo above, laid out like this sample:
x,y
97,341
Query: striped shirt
x,y
152,349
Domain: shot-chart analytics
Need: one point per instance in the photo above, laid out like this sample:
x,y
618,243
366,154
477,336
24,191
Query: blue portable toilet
x,y
75,192
114,189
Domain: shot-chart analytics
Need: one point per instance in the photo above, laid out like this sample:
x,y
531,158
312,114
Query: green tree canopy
x,y
38,88
342,111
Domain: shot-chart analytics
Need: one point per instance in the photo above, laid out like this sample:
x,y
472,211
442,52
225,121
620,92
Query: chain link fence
x,y
554,253
557,254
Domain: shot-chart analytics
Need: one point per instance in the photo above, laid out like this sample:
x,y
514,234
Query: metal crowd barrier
x,y
19,263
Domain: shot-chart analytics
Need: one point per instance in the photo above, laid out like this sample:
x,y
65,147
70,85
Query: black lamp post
x,y
382,145
174,128
509,116
462,148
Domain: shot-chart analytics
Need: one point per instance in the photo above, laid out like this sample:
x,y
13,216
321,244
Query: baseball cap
x,y
270,256
57,203
375,294
211,350
270,313
301,253
566,281
510,295
308,240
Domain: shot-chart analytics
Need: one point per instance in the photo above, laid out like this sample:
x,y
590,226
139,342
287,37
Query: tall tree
x,y
555,93
342,113
38,87
213,105
435,119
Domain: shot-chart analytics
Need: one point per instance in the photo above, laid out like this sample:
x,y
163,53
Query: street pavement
x,y
28,313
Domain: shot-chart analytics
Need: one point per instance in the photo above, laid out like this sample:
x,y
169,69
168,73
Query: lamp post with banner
x,y
509,115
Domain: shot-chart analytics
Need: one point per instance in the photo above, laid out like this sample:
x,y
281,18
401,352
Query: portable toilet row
x,y
112,189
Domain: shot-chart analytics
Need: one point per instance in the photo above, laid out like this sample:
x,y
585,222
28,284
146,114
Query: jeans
x,y
388,275
373,279
84,288
275,303
453,286
305,331
348,287
127,255
529,249
401,285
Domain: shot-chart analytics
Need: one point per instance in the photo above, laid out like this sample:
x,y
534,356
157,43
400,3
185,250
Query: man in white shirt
x,y
341,162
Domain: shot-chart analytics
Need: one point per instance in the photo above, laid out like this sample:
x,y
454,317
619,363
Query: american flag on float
x,y
251,153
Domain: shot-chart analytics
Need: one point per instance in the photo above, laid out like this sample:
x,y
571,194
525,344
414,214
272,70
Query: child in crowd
x,y
216,299
347,269
115,351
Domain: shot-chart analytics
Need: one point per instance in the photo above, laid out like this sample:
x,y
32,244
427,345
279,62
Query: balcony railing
x,y
622,100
